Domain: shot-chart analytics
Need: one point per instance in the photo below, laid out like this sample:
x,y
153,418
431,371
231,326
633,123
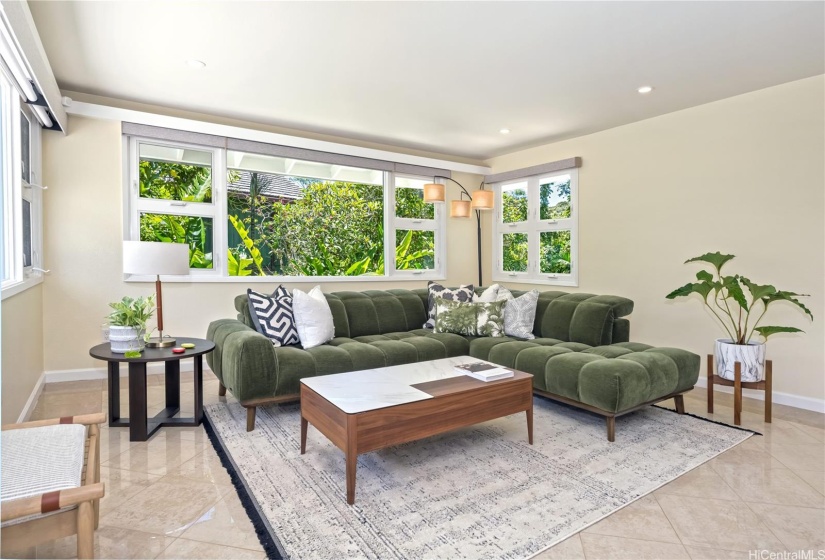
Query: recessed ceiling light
x,y
192,63
505,131
645,89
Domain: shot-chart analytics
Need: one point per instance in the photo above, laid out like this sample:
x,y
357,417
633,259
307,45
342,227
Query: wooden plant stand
x,y
738,385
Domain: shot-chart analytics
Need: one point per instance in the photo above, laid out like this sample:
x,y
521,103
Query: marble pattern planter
x,y
125,339
751,356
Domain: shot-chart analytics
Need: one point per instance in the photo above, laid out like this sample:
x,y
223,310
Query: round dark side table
x,y
140,426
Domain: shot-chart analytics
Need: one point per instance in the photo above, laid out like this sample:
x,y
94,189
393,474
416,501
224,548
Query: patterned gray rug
x,y
479,492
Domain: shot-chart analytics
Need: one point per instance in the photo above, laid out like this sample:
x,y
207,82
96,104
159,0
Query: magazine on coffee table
x,y
484,371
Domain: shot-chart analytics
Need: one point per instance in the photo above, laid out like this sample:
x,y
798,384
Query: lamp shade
x,y
145,257
482,200
460,209
433,192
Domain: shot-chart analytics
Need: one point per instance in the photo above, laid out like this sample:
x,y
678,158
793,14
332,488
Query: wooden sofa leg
x,y
611,428
250,418
679,400
221,390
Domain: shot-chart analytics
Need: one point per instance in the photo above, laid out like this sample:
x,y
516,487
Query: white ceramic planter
x,y
125,339
751,356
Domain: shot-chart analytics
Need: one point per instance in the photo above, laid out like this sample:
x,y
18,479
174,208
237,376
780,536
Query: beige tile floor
x,y
170,497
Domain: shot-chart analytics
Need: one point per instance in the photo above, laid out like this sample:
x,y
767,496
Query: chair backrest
x,y
570,317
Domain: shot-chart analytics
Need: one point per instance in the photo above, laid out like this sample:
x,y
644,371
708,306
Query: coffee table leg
x,y
352,457
303,435
530,424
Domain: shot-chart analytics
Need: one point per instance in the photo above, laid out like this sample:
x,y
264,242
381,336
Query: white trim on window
x,y
16,190
217,210
533,227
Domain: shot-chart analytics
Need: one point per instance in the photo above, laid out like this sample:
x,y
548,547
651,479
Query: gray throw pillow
x,y
519,313
435,290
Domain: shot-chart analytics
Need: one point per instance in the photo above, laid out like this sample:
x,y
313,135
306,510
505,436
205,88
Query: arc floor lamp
x,y
480,200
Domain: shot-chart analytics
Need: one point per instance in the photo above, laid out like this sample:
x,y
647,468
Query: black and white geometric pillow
x,y
273,316
464,293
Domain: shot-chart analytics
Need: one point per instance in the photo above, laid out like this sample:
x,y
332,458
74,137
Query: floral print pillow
x,y
469,319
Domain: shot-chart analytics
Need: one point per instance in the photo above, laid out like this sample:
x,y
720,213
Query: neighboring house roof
x,y
274,186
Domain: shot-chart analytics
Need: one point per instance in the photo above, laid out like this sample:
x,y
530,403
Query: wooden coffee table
x,y
362,411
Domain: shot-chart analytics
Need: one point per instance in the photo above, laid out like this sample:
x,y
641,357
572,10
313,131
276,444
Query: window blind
x,y
249,146
553,166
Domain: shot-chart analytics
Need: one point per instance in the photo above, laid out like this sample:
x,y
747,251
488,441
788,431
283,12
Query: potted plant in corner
x,y
739,315
127,323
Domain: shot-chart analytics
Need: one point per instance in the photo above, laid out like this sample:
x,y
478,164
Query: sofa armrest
x,y
249,367
243,359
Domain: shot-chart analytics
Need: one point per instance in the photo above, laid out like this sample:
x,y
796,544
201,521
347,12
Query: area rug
x,y
478,492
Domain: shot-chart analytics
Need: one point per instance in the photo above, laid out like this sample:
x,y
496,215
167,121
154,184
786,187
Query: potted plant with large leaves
x,y
127,323
740,315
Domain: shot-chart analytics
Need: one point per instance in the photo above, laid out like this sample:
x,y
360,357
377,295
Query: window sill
x,y
214,279
13,288
518,279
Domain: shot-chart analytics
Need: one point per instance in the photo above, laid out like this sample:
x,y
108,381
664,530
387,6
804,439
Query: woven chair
x,y
51,483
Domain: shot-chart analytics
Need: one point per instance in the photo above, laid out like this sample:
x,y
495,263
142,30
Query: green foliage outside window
x,y
514,252
334,229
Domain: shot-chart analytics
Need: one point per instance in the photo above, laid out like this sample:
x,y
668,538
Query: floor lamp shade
x,y
460,209
433,192
482,200
155,258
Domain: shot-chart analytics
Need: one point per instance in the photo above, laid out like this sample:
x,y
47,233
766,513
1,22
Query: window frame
x,y
534,227
393,223
137,204
15,190
218,211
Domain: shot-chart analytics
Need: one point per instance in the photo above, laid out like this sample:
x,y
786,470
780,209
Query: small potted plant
x,y
127,323
738,314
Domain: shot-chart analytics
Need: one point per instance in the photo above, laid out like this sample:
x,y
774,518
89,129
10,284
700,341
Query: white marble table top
x,y
370,389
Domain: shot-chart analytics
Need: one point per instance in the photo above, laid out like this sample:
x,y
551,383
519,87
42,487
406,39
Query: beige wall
x,y
83,250
22,351
745,175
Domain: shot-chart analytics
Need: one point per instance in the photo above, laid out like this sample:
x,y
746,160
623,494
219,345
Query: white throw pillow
x,y
313,317
489,295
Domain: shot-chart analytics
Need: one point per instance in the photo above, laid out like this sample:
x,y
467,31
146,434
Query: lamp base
x,y
164,342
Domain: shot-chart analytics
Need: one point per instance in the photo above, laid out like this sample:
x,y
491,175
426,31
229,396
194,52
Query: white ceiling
x,y
437,76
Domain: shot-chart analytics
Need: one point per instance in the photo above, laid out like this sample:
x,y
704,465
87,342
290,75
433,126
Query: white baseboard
x,y
26,413
805,403
59,376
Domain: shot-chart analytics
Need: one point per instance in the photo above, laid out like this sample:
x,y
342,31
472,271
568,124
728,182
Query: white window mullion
x,y
220,234
389,223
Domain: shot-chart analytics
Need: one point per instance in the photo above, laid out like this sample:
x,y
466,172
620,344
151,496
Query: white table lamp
x,y
156,258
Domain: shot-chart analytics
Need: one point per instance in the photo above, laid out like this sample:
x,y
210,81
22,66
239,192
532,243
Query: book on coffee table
x,y
484,371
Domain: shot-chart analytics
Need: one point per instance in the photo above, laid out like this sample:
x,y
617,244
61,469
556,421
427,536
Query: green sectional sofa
x,y
581,354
